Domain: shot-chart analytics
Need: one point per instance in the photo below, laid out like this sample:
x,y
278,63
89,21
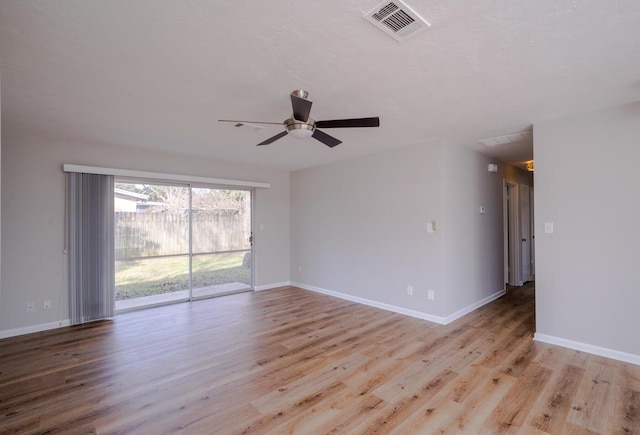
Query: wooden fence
x,y
151,234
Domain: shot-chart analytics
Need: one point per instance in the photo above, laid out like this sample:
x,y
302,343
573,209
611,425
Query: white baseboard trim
x,y
466,310
388,307
407,312
34,328
588,348
375,304
271,286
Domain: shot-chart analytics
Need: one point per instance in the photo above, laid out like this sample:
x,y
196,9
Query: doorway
x,y
518,233
176,242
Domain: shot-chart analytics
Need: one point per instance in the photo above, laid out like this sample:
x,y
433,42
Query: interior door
x,y
525,232
513,270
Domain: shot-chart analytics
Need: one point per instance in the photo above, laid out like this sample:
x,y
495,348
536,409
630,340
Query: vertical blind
x,y
91,247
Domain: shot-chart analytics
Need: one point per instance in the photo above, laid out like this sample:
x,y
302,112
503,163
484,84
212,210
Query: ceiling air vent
x,y
396,19
509,138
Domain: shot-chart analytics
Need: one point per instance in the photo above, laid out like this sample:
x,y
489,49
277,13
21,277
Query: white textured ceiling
x,y
159,73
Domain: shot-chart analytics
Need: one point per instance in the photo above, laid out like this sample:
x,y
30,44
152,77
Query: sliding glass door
x,y
221,241
178,242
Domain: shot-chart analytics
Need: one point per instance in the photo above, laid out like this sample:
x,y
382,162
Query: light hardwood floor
x,y
292,361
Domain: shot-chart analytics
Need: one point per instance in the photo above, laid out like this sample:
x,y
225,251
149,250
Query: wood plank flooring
x,y
292,361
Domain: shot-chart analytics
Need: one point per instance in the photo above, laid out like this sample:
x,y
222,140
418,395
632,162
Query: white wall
x,y
33,196
359,228
473,248
586,182
0,193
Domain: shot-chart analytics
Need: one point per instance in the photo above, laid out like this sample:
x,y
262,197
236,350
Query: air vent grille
x,y
506,139
385,11
396,19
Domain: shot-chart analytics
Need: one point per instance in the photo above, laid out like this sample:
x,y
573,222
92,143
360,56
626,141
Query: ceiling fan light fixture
x,y
300,133
300,130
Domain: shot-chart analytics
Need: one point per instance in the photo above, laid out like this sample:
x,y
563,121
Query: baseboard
x,y
466,310
34,328
375,304
388,307
588,348
271,286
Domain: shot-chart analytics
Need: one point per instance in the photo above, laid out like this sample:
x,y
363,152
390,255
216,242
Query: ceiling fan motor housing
x,y
300,93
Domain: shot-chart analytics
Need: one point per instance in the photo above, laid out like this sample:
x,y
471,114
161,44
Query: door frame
x,y
511,230
254,255
532,234
525,231
513,234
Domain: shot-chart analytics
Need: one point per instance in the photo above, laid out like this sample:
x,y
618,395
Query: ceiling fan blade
x,y
323,137
273,139
301,108
254,127
345,123
250,122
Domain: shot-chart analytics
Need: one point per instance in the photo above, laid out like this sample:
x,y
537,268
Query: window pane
x,y
220,273
151,220
221,220
151,276
151,244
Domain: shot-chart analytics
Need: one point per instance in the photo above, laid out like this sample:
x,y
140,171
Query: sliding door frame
x,y
190,254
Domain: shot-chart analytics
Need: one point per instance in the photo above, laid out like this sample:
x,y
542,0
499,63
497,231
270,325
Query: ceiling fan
x,y
299,125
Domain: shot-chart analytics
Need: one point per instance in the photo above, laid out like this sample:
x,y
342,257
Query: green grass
x,y
153,276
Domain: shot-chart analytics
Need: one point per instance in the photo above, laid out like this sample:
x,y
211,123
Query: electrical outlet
x,y
410,290
431,295
47,304
31,307
299,269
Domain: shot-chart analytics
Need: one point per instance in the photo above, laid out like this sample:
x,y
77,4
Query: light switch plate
x,y
548,227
